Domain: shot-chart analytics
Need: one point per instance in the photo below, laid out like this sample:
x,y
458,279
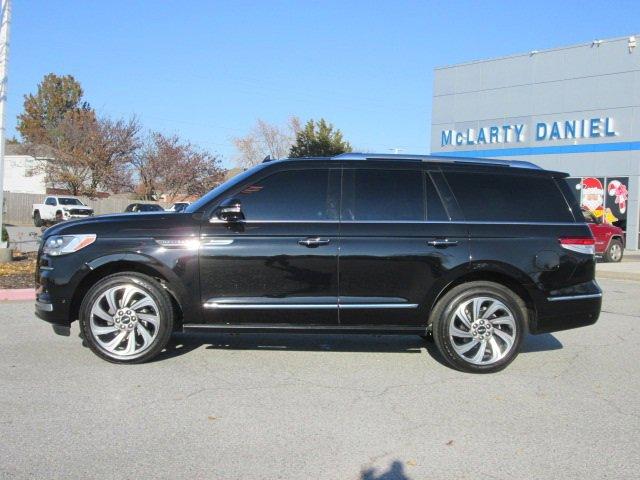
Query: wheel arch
x,y
514,280
109,266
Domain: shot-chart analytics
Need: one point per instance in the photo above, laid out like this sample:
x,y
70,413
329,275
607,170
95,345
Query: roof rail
x,y
436,158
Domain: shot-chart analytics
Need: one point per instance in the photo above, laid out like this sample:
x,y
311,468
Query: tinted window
x,y
383,195
293,195
435,209
517,198
50,201
70,201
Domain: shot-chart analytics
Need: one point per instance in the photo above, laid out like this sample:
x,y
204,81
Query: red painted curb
x,y
17,294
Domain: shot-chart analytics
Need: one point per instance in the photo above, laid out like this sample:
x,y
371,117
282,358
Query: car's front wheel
x,y
126,318
478,326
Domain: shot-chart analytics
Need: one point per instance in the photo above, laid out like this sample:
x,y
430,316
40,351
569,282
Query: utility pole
x,y
4,57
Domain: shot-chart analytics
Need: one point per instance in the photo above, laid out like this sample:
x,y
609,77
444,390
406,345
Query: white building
x,y
21,174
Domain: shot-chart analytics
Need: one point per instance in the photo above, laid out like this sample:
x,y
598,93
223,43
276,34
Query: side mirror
x,y
230,210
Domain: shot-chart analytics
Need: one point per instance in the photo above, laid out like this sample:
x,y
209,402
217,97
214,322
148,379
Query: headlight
x,y
64,244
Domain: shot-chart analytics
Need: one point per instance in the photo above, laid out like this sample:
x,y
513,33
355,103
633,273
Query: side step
x,y
306,329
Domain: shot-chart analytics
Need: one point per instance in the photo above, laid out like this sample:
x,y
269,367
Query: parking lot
x,y
370,407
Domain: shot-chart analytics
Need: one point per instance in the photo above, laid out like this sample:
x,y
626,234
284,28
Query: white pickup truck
x,y
59,208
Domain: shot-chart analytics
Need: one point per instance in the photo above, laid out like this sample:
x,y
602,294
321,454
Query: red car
x,y
609,238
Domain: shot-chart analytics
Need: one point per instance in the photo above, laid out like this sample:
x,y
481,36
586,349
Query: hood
x,y
129,225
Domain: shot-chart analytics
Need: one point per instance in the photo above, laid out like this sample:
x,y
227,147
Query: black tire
x,y
37,220
445,312
615,251
148,286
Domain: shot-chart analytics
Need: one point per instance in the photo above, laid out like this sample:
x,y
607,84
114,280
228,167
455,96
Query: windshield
x,y
206,198
70,201
150,207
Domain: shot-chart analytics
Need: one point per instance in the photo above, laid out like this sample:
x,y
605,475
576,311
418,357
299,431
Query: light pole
x,y
4,57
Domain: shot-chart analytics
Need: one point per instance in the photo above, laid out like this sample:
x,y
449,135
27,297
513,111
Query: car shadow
x,y
394,472
182,343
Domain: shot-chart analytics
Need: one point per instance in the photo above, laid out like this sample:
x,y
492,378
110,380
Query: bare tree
x,y
167,166
264,140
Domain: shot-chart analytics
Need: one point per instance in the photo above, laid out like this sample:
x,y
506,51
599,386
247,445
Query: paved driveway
x,y
336,407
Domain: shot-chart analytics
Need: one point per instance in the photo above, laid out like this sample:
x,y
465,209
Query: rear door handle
x,y
442,242
313,242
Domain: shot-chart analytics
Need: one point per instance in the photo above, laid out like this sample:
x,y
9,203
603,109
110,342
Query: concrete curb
x,y
17,294
634,276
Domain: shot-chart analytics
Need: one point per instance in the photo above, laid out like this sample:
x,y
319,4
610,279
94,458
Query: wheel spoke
x,y
98,311
144,333
115,343
493,308
496,352
111,300
129,291
456,332
143,302
477,358
104,330
508,339
504,320
147,317
461,313
131,344
477,303
462,349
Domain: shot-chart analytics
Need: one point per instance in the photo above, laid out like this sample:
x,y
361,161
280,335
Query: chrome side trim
x,y
276,306
216,242
447,222
574,297
267,306
45,307
378,305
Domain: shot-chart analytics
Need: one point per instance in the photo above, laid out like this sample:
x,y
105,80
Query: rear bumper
x,y
565,310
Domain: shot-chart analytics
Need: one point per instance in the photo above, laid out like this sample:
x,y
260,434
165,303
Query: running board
x,y
306,329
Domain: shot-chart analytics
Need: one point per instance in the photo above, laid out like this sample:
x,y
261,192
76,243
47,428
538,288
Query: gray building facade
x,y
575,109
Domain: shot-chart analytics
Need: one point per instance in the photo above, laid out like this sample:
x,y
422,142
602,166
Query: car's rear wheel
x,y
126,318
615,251
37,220
478,326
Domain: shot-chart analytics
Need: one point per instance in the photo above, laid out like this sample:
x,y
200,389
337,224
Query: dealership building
x,y
575,109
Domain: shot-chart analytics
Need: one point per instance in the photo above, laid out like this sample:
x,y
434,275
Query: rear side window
x,y
509,198
293,195
383,195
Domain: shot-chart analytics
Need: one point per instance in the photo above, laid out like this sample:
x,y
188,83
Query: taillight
x,y
586,245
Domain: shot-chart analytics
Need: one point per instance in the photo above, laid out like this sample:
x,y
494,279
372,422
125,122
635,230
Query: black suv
x,y
472,252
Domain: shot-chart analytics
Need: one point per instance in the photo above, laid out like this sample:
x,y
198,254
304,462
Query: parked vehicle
x,y
59,208
609,238
178,206
357,243
143,207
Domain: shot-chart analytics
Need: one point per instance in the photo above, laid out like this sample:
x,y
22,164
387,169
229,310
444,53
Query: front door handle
x,y
442,242
313,242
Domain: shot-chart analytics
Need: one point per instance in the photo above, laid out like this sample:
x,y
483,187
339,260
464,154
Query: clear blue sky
x,y
207,69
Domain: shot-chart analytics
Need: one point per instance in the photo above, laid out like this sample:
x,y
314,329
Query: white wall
x,y
18,176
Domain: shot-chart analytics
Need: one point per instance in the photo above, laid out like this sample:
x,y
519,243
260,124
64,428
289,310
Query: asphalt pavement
x,y
322,407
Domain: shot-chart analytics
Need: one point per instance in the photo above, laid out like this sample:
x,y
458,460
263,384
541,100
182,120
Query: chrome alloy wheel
x,y
615,252
482,330
125,320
